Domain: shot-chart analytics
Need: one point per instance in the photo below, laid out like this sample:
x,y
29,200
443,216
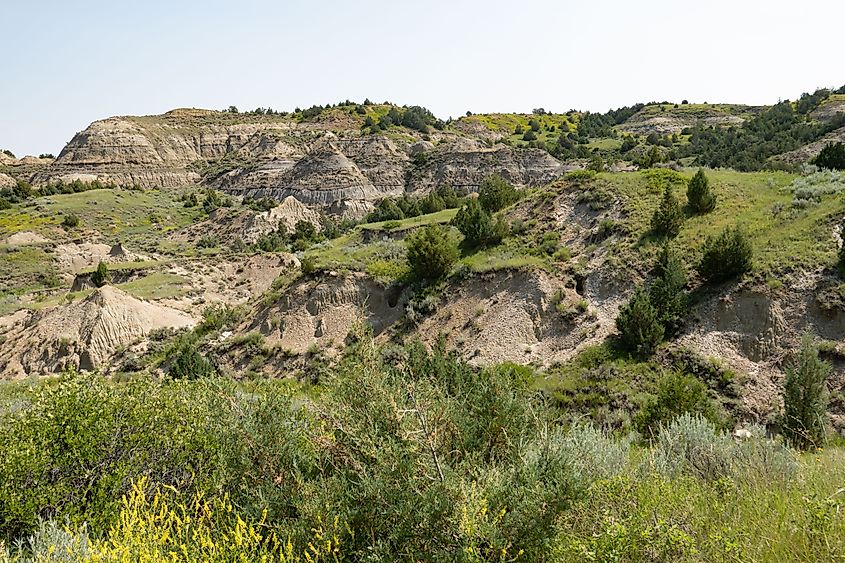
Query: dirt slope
x,y
84,334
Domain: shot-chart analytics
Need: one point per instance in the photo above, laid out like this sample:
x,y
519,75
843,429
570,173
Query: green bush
x,y
805,397
668,292
495,193
186,362
677,394
640,331
668,218
101,275
79,445
699,195
305,231
726,256
308,265
70,221
478,227
431,252
832,156
218,316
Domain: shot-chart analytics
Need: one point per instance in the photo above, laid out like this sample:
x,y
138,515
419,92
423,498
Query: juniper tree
x,y
805,397
668,294
726,256
668,217
431,253
699,195
640,330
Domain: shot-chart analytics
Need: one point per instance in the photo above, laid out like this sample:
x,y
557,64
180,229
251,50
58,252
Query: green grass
x,y
605,144
158,285
687,519
502,258
119,215
412,222
789,239
506,124
139,219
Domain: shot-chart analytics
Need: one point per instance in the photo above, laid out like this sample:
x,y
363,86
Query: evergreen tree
x,y
832,156
431,253
668,293
101,275
190,364
726,256
805,397
699,195
640,331
479,227
495,193
669,216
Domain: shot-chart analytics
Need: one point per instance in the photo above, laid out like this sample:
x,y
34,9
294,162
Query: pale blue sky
x,y
67,63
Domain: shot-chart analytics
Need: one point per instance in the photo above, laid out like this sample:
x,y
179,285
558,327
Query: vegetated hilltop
x,y
342,159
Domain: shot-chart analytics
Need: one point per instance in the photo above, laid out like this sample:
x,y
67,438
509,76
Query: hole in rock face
x,y
580,281
394,292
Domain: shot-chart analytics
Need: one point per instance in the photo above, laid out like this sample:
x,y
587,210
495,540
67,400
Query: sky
x,y
66,64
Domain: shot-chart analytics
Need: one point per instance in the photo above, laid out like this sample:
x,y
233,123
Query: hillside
x,y
359,332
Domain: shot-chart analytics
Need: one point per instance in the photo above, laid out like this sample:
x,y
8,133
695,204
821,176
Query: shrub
x,y
214,200
805,397
677,394
691,445
592,454
308,265
726,256
208,241
639,328
274,241
101,275
431,252
699,195
188,363
216,317
668,218
832,156
478,227
81,442
70,221
305,231
495,194
668,292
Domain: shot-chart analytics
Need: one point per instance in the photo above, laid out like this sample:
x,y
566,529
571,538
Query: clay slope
x,y
85,334
322,310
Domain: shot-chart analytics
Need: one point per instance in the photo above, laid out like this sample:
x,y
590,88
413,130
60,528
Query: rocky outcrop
x,y
652,120
82,335
321,311
228,224
7,181
325,164
288,213
830,109
464,164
